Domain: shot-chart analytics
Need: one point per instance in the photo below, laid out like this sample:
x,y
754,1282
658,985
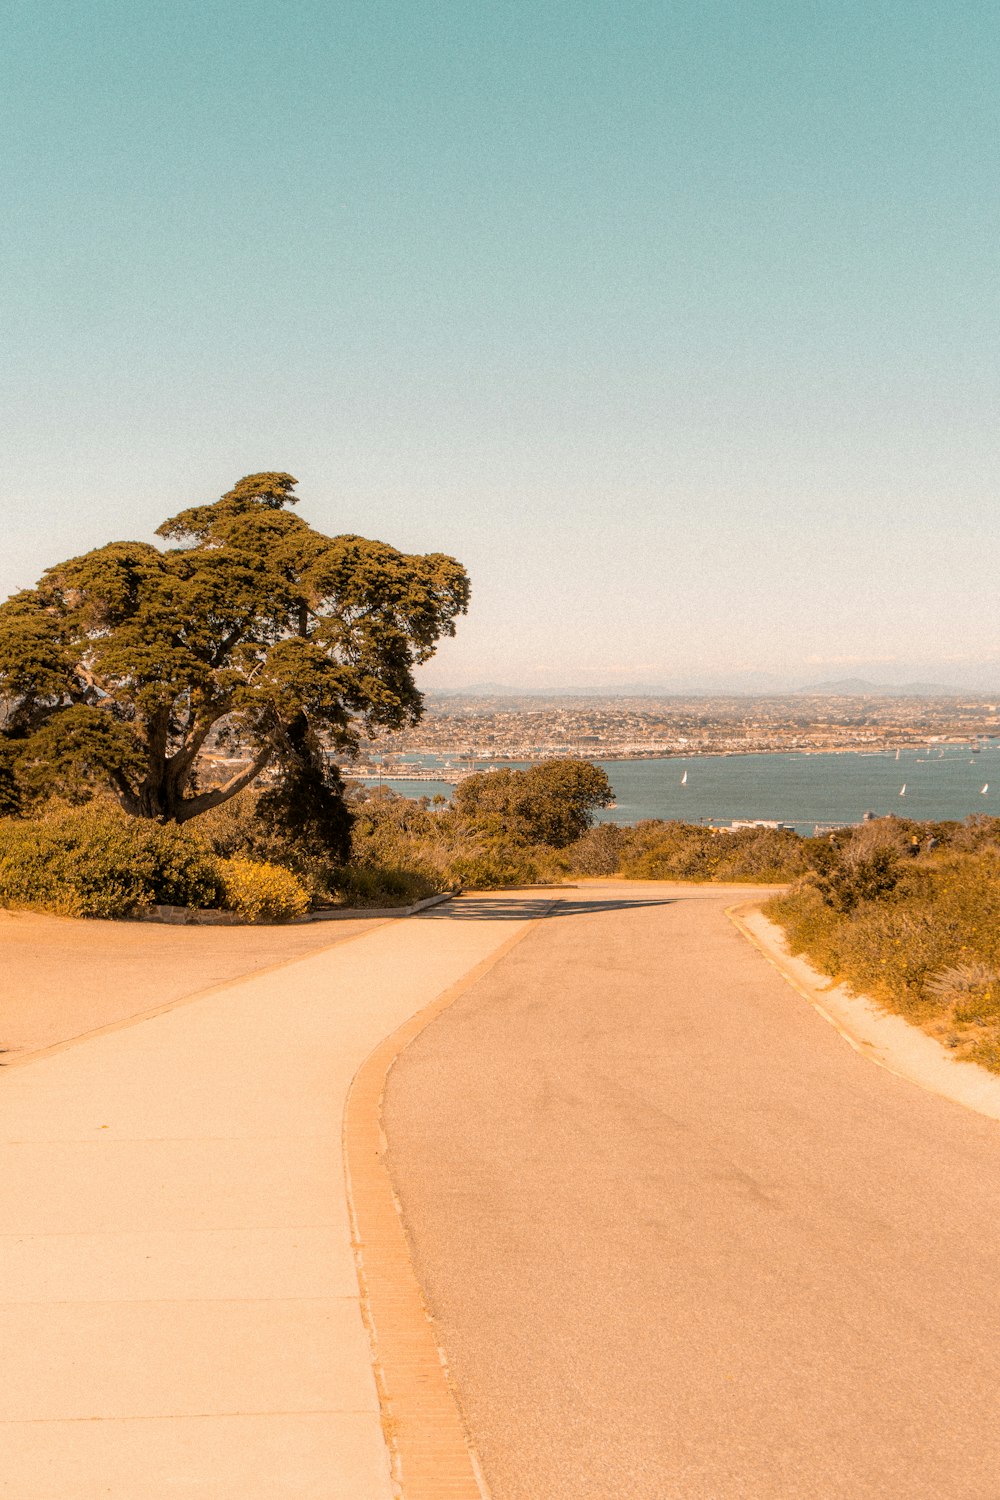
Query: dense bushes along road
x,y
95,861
906,912
921,935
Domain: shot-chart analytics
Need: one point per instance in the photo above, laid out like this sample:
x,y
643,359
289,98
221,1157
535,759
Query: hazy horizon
x,y
676,325
747,685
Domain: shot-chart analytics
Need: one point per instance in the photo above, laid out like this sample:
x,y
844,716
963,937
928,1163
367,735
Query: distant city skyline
x,y
677,325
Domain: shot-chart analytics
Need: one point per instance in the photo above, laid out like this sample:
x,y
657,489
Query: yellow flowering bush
x,y
262,892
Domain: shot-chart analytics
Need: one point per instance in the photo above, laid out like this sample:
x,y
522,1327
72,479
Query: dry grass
x,y
923,940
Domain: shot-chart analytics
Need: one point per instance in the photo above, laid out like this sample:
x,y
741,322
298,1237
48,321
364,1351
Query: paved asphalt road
x,y
682,1242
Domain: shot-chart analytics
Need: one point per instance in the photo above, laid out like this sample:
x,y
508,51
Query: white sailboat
x,y
897,754
984,789
902,790
684,779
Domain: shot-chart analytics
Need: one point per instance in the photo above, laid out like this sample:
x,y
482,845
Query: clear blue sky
x,y
676,322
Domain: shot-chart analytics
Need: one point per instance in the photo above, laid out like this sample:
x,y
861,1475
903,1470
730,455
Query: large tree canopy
x,y
121,663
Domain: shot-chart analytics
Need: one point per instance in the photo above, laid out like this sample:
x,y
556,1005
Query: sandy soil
x,y
61,978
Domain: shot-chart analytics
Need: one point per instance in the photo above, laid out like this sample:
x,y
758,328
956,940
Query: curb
x,y
196,916
430,1452
353,913
880,1036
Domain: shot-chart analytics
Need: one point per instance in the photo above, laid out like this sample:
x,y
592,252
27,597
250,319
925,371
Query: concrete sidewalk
x,y
181,1312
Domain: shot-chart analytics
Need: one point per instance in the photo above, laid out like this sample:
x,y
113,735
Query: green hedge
x,y
95,861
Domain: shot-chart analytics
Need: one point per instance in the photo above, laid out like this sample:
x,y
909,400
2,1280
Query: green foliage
x,y
513,828
233,830
767,855
493,869
445,848
656,850
97,862
238,830
970,990
72,754
811,924
121,663
925,942
306,812
381,885
599,850
866,879
262,892
670,851
11,796
977,833
550,803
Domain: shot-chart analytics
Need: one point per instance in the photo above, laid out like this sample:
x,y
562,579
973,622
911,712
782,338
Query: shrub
x,y
971,990
95,861
599,851
262,892
238,830
445,849
492,869
379,885
811,925
660,850
766,855
862,879
657,850
922,937
552,802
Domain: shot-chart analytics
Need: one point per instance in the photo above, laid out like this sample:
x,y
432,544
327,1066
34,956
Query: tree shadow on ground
x,y
500,908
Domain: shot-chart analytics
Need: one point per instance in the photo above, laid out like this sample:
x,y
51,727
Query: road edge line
x,y
962,1089
430,1450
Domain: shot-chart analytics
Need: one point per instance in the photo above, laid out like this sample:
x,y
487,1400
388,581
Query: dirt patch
x,y
63,977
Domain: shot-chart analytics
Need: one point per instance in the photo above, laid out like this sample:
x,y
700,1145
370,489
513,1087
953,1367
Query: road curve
x,y
680,1241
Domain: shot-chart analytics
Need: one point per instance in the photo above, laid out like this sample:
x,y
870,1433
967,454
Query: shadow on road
x,y
499,908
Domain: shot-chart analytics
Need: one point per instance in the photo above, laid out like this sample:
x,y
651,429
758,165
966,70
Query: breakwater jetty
x,y
405,773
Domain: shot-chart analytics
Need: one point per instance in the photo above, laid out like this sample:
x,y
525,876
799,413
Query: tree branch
x,y
190,807
226,645
180,763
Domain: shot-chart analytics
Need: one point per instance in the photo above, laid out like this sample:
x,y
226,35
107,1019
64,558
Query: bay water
x,y
801,790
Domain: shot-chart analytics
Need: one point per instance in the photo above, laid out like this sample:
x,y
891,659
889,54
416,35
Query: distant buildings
x,y
522,729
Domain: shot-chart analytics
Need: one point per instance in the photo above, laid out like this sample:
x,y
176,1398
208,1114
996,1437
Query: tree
x,y
551,803
119,666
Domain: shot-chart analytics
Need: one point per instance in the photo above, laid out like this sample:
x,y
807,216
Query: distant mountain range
x,y
744,685
756,683
860,687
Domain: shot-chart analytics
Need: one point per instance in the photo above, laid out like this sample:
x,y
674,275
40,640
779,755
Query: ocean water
x,y
802,790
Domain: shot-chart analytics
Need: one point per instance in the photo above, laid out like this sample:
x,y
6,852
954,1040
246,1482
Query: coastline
x,y
602,755
806,789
